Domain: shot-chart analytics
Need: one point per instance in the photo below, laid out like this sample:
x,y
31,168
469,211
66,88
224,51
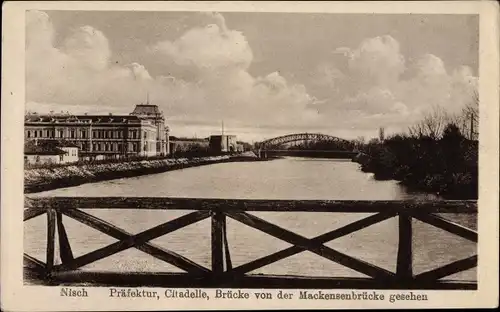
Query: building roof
x,y
146,109
80,118
33,148
174,138
225,135
47,147
142,112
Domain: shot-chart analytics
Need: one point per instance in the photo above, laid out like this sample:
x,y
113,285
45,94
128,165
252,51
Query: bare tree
x,y
432,125
467,119
381,134
359,142
471,117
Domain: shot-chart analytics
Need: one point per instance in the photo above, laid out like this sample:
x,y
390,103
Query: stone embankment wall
x,y
43,179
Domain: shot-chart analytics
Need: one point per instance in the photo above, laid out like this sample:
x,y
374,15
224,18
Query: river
x,y
288,178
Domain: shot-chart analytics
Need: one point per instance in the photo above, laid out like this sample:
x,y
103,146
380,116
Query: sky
x,y
262,74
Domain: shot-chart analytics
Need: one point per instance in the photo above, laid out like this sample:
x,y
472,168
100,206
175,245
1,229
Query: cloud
x,y
208,48
219,87
204,77
376,61
382,90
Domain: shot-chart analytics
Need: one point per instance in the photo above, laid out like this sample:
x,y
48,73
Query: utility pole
x,y
471,125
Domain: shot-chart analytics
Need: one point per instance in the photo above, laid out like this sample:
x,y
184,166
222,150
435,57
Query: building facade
x,y
223,143
104,136
152,113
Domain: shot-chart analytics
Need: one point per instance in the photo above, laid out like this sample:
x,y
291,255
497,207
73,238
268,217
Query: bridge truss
x,y
300,137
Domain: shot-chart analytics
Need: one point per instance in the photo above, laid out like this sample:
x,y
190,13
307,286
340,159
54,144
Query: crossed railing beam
x,y
321,239
139,241
220,244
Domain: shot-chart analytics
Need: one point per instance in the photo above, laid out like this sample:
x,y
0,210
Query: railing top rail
x,y
212,204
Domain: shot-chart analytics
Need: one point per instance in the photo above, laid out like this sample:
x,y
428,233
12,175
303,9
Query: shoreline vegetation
x,y
427,173
49,177
436,156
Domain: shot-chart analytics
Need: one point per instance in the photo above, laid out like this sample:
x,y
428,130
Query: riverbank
x,y
452,182
45,179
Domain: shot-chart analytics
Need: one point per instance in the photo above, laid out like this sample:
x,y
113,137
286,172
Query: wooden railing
x,y
222,273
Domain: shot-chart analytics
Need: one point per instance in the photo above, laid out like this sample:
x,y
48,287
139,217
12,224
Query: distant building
x,y
223,143
184,144
151,112
141,133
50,152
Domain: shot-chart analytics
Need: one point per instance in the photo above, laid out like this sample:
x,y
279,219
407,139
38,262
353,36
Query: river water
x,y
289,178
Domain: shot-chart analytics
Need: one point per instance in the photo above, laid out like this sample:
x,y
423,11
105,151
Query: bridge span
x,y
274,146
308,153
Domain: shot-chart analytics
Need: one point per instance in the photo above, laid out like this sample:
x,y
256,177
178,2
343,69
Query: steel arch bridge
x,y
300,137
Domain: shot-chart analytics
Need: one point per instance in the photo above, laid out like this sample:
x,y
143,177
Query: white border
x,y
16,297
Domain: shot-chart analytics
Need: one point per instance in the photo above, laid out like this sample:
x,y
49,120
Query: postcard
x,y
249,155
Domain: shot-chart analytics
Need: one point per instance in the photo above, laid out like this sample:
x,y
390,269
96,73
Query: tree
x,y
381,134
470,117
431,125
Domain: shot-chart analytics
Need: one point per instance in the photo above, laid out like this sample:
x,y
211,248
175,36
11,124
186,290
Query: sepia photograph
x,y
226,150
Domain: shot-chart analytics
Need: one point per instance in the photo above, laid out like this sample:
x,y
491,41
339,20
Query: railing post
x,y
217,243
64,247
404,271
51,229
227,253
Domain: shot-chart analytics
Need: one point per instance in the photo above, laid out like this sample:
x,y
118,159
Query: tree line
x,y
438,154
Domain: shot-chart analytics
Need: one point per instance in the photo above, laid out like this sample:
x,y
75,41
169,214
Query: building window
x,y
29,133
72,134
60,133
40,133
61,157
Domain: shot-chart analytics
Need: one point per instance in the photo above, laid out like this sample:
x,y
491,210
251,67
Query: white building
x,y
50,152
